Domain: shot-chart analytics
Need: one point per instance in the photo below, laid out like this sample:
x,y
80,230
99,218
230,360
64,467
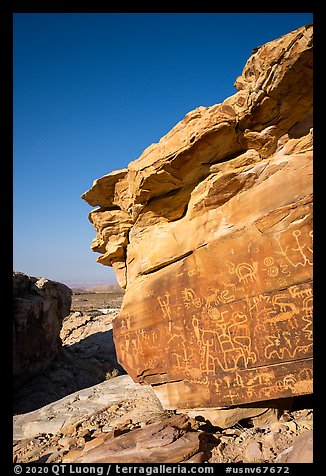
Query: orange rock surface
x,y
210,232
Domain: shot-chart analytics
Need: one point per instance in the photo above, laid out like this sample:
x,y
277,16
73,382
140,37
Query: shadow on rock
x,y
80,365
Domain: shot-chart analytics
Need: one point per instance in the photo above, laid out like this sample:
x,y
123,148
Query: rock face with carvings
x,y
210,232
39,306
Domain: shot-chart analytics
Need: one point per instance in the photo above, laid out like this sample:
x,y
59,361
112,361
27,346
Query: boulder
x,y
210,233
253,452
108,396
39,306
169,441
301,450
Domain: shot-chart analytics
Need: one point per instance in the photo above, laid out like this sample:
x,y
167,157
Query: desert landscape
x,y
203,353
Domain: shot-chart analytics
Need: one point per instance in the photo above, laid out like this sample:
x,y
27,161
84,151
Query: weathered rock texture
x,y
210,232
39,306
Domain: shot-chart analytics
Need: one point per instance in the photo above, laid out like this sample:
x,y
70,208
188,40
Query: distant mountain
x,y
90,285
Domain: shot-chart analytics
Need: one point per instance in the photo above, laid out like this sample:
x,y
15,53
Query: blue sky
x,y
91,92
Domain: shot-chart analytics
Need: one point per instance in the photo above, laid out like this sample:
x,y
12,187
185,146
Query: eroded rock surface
x,y
39,306
210,232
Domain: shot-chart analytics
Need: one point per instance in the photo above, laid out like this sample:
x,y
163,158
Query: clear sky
x,y
91,92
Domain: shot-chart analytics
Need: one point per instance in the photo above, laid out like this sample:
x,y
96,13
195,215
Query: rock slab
x,y
168,441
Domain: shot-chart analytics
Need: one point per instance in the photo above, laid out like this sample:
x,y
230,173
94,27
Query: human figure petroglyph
x,y
195,323
209,345
131,354
239,329
232,395
297,255
228,344
125,323
179,351
128,319
300,248
122,350
165,308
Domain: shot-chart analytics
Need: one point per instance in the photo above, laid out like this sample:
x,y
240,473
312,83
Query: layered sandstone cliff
x,y
210,232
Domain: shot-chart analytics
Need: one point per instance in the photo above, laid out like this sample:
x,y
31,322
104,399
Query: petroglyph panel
x,y
240,387
234,318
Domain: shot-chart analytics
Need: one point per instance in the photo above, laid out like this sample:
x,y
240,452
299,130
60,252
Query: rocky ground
x,y
87,357
83,408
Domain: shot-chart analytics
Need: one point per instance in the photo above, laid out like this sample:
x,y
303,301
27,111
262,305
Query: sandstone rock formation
x,y
39,306
87,357
210,232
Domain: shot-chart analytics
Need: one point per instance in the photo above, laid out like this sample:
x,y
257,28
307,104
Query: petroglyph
x,y
299,291
308,310
245,272
219,338
220,330
164,303
299,253
189,297
271,269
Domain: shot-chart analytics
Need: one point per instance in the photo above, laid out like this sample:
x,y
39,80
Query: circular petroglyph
x,y
272,272
268,261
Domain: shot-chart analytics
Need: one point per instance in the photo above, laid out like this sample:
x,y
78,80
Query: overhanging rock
x,y
210,232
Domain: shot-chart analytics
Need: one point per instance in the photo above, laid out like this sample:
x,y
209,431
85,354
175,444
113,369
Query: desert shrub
x,y
111,374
